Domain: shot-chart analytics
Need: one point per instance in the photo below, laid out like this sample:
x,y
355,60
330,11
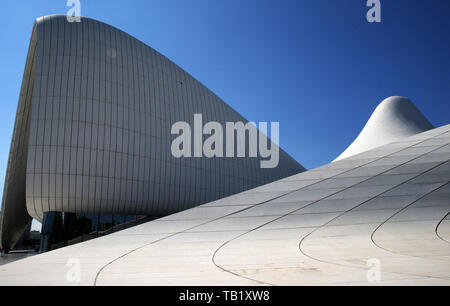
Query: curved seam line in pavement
x,y
275,198
216,219
372,236
316,201
361,268
436,231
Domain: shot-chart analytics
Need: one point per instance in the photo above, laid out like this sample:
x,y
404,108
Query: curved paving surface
x,y
319,227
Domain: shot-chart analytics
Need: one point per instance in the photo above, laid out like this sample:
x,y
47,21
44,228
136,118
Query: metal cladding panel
x,y
101,109
15,218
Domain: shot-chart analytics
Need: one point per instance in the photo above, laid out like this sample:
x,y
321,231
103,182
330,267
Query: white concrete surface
x,y
389,205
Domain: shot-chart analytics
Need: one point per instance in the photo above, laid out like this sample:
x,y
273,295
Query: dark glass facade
x,y
61,229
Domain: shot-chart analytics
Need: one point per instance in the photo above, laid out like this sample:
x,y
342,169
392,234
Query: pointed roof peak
x,y
394,118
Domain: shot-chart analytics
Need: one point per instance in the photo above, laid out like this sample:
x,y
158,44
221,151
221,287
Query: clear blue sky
x,y
316,66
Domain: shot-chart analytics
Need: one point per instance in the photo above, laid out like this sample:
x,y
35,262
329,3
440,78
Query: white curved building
x,y
394,119
380,217
92,137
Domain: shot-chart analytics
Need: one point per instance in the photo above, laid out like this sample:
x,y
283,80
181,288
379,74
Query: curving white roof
x,y
394,119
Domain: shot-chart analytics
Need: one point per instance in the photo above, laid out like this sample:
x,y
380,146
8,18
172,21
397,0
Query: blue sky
x,y
316,66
